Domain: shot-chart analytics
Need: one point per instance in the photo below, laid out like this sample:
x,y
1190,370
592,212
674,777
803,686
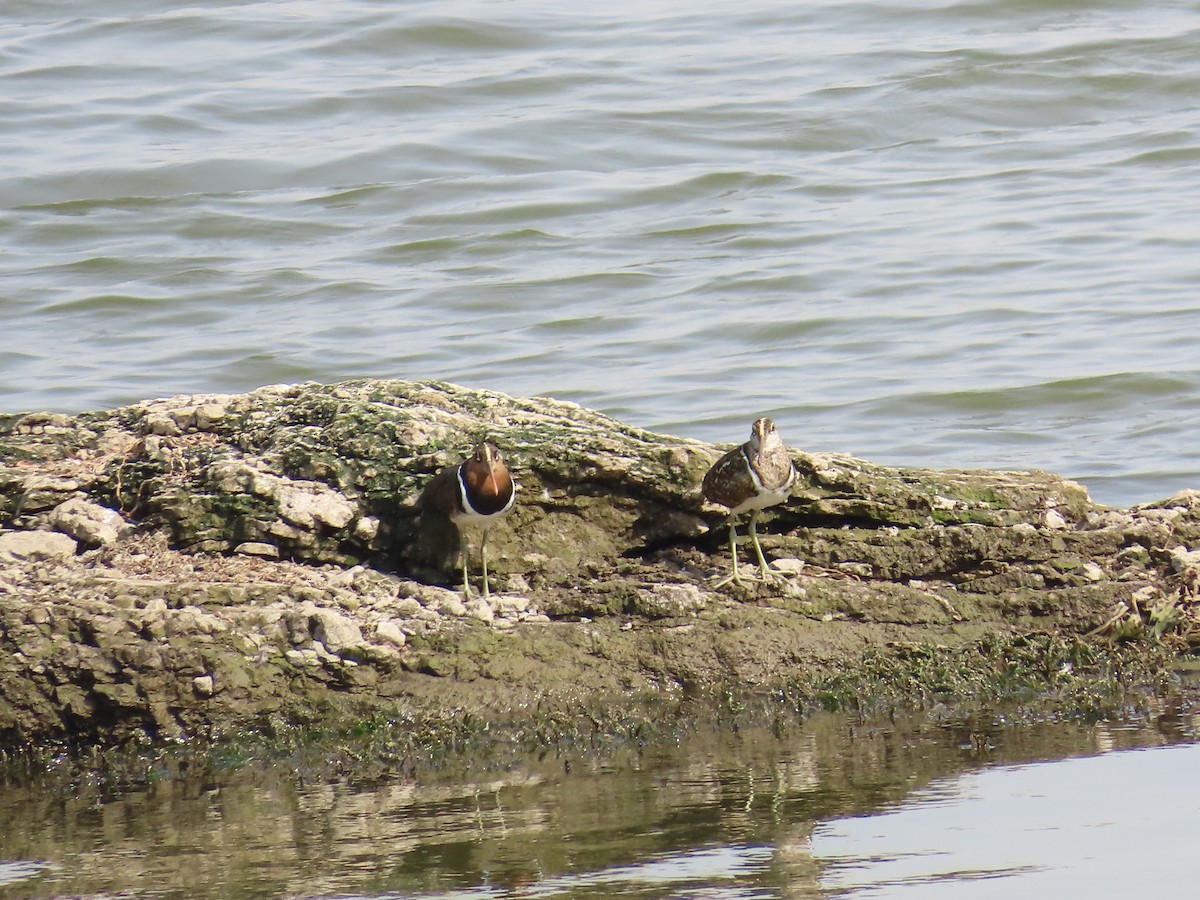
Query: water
x,y
1047,830
934,233
835,808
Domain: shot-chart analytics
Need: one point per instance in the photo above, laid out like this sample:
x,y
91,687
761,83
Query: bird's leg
x,y
733,575
466,555
483,555
762,560
763,566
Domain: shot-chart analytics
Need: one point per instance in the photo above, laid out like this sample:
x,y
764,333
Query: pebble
x,y
335,631
479,609
257,548
448,606
88,523
509,604
390,633
36,545
1054,520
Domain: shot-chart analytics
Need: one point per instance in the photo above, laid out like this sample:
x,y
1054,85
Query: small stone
x,y
448,605
858,569
306,505
366,529
1183,559
1054,520
335,631
257,548
509,604
383,655
789,566
517,583
88,523
203,685
390,633
183,416
480,609
207,415
46,492
404,607
1093,572
43,423
116,442
427,595
164,426
303,657
36,545
670,600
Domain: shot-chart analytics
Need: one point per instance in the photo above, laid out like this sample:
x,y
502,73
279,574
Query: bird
x,y
754,476
477,491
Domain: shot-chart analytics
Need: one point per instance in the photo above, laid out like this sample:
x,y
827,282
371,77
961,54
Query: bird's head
x,y
762,433
487,472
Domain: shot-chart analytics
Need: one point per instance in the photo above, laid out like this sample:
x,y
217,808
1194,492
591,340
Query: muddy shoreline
x,y
212,567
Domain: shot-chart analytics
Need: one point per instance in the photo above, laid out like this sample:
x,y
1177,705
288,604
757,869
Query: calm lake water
x,y
835,808
955,234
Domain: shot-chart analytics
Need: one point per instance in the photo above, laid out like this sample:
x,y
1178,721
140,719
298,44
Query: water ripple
x,y
941,234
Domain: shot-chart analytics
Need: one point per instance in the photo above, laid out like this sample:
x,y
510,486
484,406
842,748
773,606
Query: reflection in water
x,y
725,813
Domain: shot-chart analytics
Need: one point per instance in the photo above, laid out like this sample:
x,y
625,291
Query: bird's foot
x,y
767,576
733,577
772,576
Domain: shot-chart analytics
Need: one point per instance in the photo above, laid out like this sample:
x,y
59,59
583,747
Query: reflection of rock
x,y
237,505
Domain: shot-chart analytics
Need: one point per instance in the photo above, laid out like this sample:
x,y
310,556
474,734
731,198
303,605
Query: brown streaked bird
x,y
477,491
751,477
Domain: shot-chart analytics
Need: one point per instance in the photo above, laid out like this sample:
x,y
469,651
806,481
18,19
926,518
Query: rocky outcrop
x,y
193,564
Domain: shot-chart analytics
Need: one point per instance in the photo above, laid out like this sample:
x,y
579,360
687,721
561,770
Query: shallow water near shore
x,y
836,807
939,234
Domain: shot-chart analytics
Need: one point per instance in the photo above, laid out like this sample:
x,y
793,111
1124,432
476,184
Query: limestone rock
x,y
88,523
670,601
390,633
335,631
338,599
36,545
479,609
448,604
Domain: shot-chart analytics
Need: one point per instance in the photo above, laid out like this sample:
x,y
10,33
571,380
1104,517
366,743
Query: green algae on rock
x,y
195,565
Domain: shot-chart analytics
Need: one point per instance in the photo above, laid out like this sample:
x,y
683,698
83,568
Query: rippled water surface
x,y
835,808
939,233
